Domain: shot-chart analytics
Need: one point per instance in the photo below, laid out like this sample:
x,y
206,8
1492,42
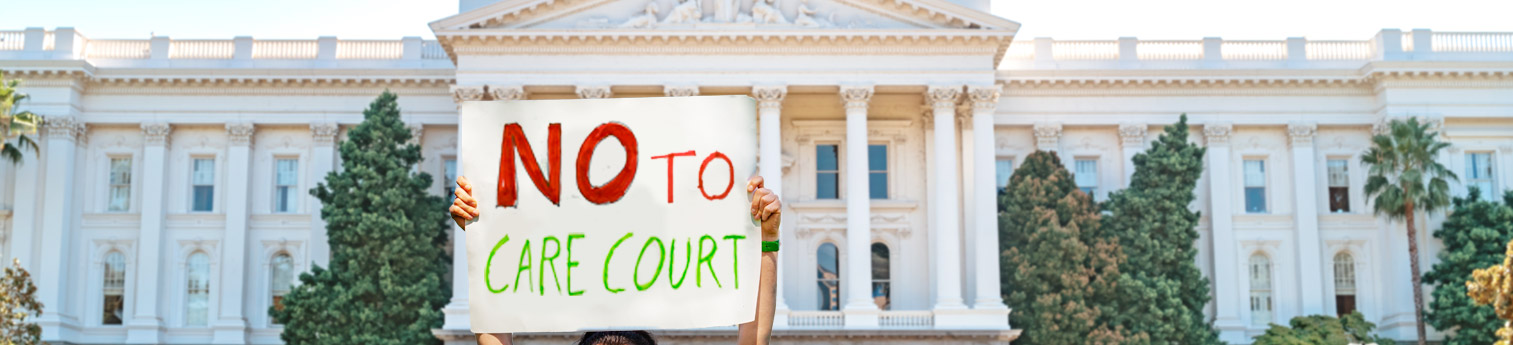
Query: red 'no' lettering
x,y
549,186
614,189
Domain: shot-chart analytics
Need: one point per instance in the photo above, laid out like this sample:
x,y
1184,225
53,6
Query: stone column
x,y
1132,136
770,145
947,226
58,205
322,162
231,325
145,325
1227,295
856,274
1306,200
594,92
984,201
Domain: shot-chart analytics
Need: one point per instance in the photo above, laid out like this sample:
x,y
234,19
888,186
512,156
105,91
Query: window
x,y
1260,290
449,169
281,271
1344,284
203,180
1004,169
829,272
197,296
1479,173
881,285
114,288
877,171
1086,175
1255,186
120,184
285,182
1339,185
828,172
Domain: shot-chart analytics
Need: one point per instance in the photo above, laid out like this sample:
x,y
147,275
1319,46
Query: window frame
x,y
449,175
274,298
105,282
839,289
111,185
214,181
1077,165
1004,183
1269,290
1265,187
840,163
210,281
887,170
294,204
1330,188
886,281
1490,180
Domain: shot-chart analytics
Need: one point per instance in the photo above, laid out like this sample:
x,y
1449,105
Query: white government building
x,y
169,202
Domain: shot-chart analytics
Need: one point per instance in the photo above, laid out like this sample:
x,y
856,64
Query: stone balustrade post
x,y
1297,51
159,47
1043,56
1389,45
242,48
1213,52
63,43
412,46
325,48
32,39
1128,56
1423,43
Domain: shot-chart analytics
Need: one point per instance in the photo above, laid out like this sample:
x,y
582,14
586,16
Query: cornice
x,y
760,42
523,13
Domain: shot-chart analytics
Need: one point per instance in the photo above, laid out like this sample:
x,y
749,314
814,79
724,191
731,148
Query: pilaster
x,y
231,325
1226,278
1132,140
58,205
322,162
146,325
859,309
1306,214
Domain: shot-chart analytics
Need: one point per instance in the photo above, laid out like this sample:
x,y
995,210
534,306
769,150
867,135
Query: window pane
x,y
881,283
1344,274
204,198
283,199
1479,173
1338,173
877,157
197,300
449,168
282,271
878,185
287,172
1255,199
1260,290
120,198
1255,173
120,184
1005,169
120,170
825,158
827,186
1086,173
1339,199
114,288
828,277
204,172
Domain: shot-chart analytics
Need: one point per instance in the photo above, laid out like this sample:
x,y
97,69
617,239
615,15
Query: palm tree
x,y
15,125
1405,179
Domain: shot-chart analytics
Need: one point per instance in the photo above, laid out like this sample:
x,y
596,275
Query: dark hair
x,y
617,338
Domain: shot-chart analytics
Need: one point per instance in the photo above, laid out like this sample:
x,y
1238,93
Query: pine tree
x,y
385,284
1058,273
1473,236
1163,290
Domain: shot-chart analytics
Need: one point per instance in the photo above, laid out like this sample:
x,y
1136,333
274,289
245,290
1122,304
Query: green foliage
x,y
1405,178
15,125
1059,273
1163,291
18,302
1494,285
385,284
1323,330
1473,236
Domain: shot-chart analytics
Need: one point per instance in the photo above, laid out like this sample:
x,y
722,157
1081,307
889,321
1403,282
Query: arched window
x,y
881,285
281,271
1344,284
1260,290
829,276
197,293
114,288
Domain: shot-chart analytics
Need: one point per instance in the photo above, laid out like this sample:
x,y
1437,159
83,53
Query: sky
x,y
1061,19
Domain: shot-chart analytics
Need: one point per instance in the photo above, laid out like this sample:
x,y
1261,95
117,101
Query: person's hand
x,y
465,207
765,206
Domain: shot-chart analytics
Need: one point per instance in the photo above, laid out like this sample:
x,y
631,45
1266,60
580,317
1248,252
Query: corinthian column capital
x,y
984,97
156,133
1302,132
594,92
769,96
323,132
680,90
943,96
856,97
507,92
464,93
240,133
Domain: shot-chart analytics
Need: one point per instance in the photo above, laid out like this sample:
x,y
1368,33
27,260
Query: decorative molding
x,y
856,97
1218,133
156,133
1047,136
680,91
720,42
594,92
240,133
66,127
1133,134
1302,132
464,93
984,98
769,97
943,97
324,132
507,92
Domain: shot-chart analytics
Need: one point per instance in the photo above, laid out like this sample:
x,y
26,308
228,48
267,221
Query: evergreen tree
x,y
385,284
1163,290
1473,236
1058,272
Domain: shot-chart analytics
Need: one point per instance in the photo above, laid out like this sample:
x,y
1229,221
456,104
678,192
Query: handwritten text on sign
x,y
644,223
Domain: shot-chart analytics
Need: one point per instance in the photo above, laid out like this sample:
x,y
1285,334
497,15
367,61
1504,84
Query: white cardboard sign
x,y
641,222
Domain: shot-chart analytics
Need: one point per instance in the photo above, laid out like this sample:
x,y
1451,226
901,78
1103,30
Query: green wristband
x,y
769,246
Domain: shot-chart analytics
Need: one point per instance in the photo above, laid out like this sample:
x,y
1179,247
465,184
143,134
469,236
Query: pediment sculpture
x,y
764,12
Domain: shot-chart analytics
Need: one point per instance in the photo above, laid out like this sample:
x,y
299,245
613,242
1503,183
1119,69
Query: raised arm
x,y
765,206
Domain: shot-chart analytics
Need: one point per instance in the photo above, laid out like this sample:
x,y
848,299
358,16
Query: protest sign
x,y
610,213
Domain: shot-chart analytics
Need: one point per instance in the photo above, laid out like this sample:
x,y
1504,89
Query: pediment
x,y
723,15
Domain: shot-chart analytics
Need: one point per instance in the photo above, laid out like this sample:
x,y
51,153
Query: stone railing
x,y
68,44
906,319
816,319
1132,53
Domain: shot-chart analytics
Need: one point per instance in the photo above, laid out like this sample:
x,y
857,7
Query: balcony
x,y
239,52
